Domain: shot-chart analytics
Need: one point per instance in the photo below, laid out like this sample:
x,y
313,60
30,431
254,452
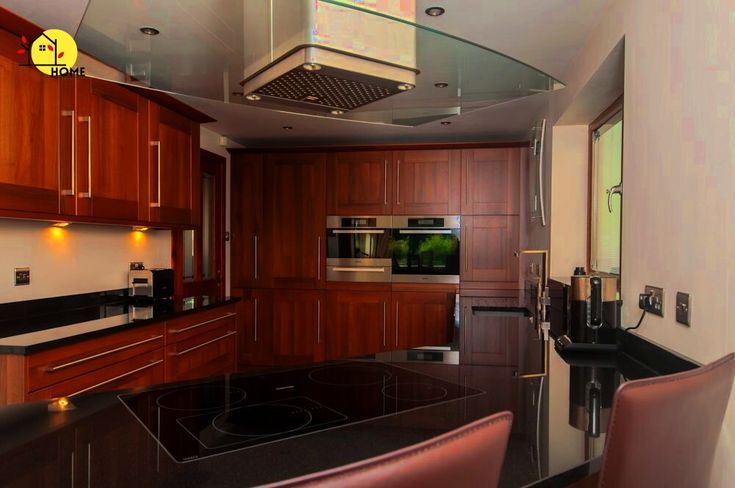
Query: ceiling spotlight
x,y
149,31
311,66
287,127
446,123
435,11
441,84
61,224
252,97
139,228
337,112
406,86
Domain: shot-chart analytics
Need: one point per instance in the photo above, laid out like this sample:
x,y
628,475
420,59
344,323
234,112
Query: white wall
x,y
679,160
77,259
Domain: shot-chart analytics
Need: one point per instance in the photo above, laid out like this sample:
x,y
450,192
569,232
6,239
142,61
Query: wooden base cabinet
x,y
490,340
298,326
255,329
422,319
357,323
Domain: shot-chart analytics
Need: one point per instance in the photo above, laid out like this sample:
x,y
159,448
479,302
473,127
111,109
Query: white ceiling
x,y
546,34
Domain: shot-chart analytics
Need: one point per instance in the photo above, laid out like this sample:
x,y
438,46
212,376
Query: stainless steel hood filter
x,y
326,58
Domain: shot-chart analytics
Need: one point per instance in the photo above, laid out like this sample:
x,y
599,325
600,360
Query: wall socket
x,y
22,276
652,300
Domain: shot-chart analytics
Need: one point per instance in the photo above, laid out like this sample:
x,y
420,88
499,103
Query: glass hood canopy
x,y
365,60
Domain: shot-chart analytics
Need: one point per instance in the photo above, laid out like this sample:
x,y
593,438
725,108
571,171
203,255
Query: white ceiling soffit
x,y
47,14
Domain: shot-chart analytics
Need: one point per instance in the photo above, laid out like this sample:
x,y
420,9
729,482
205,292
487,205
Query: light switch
x,y
22,276
683,308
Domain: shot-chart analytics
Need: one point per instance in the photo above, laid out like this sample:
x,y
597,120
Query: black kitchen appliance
x,y
155,283
358,249
425,249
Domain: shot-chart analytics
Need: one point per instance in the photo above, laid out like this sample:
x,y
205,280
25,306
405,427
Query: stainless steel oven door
x,y
425,249
358,249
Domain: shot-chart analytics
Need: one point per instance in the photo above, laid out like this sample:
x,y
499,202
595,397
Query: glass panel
x,y
358,246
607,171
207,226
207,49
189,247
425,254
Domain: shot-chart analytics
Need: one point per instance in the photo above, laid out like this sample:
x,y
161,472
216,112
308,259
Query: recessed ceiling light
x,y
337,112
311,66
441,84
287,127
446,123
149,31
406,86
253,97
435,11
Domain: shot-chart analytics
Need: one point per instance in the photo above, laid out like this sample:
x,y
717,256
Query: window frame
x,y
617,106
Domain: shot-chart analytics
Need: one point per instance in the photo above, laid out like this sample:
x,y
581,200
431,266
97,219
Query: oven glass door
x,y
358,243
425,251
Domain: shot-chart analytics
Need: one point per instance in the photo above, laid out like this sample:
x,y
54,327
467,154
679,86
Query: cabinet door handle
x,y
397,322
398,182
466,249
89,465
255,256
119,377
384,327
467,183
59,367
255,320
199,346
88,120
72,192
385,182
319,258
157,145
179,331
318,321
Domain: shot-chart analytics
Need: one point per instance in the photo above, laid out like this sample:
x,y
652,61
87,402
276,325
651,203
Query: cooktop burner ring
x,y
372,375
433,392
206,392
304,421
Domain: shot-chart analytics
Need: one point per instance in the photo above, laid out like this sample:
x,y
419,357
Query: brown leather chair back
x,y
663,431
469,456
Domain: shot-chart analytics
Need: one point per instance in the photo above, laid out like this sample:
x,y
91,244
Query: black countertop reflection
x,y
36,325
263,426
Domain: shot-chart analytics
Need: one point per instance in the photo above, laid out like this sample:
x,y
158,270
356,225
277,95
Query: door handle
x,y
319,258
397,322
398,182
385,340
72,192
255,320
617,189
255,257
318,321
385,182
88,120
157,145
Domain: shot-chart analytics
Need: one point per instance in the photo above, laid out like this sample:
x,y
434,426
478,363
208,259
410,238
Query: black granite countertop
x,y
121,439
36,325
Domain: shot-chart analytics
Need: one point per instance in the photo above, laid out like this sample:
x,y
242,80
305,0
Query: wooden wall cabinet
x,y
422,318
298,326
357,323
427,182
247,224
359,183
489,249
491,181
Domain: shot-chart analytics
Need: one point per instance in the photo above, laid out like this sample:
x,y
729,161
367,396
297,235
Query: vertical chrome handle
x,y
466,250
89,465
385,181
255,257
319,258
157,145
255,320
72,469
384,331
398,182
318,321
88,120
72,192
467,184
397,322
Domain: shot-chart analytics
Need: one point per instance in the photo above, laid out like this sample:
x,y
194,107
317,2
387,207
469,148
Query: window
x,y
606,190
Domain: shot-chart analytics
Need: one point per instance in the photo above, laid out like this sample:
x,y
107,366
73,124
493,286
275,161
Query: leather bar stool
x,y
663,431
469,456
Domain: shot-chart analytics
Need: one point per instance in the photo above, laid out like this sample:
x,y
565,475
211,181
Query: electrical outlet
x,y
22,276
652,300
134,265
683,308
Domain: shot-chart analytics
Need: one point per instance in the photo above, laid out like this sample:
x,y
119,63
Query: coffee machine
x,y
594,313
155,284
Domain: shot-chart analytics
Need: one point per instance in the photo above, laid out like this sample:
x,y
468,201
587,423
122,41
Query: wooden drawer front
x,y
142,370
211,353
63,363
193,325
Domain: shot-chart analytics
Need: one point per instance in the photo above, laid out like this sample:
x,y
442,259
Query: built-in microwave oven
x,y
425,249
358,249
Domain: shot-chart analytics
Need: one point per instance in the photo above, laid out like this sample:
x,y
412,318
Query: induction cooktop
x,y
232,413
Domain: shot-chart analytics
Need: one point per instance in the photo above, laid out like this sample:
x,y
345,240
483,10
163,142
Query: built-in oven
x,y
425,249
358,249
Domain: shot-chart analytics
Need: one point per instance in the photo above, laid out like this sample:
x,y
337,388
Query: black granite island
x,y
253,428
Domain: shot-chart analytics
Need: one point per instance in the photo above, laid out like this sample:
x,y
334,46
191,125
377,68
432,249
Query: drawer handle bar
x,y
116,378
359,270
179,331
53,369
186,351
